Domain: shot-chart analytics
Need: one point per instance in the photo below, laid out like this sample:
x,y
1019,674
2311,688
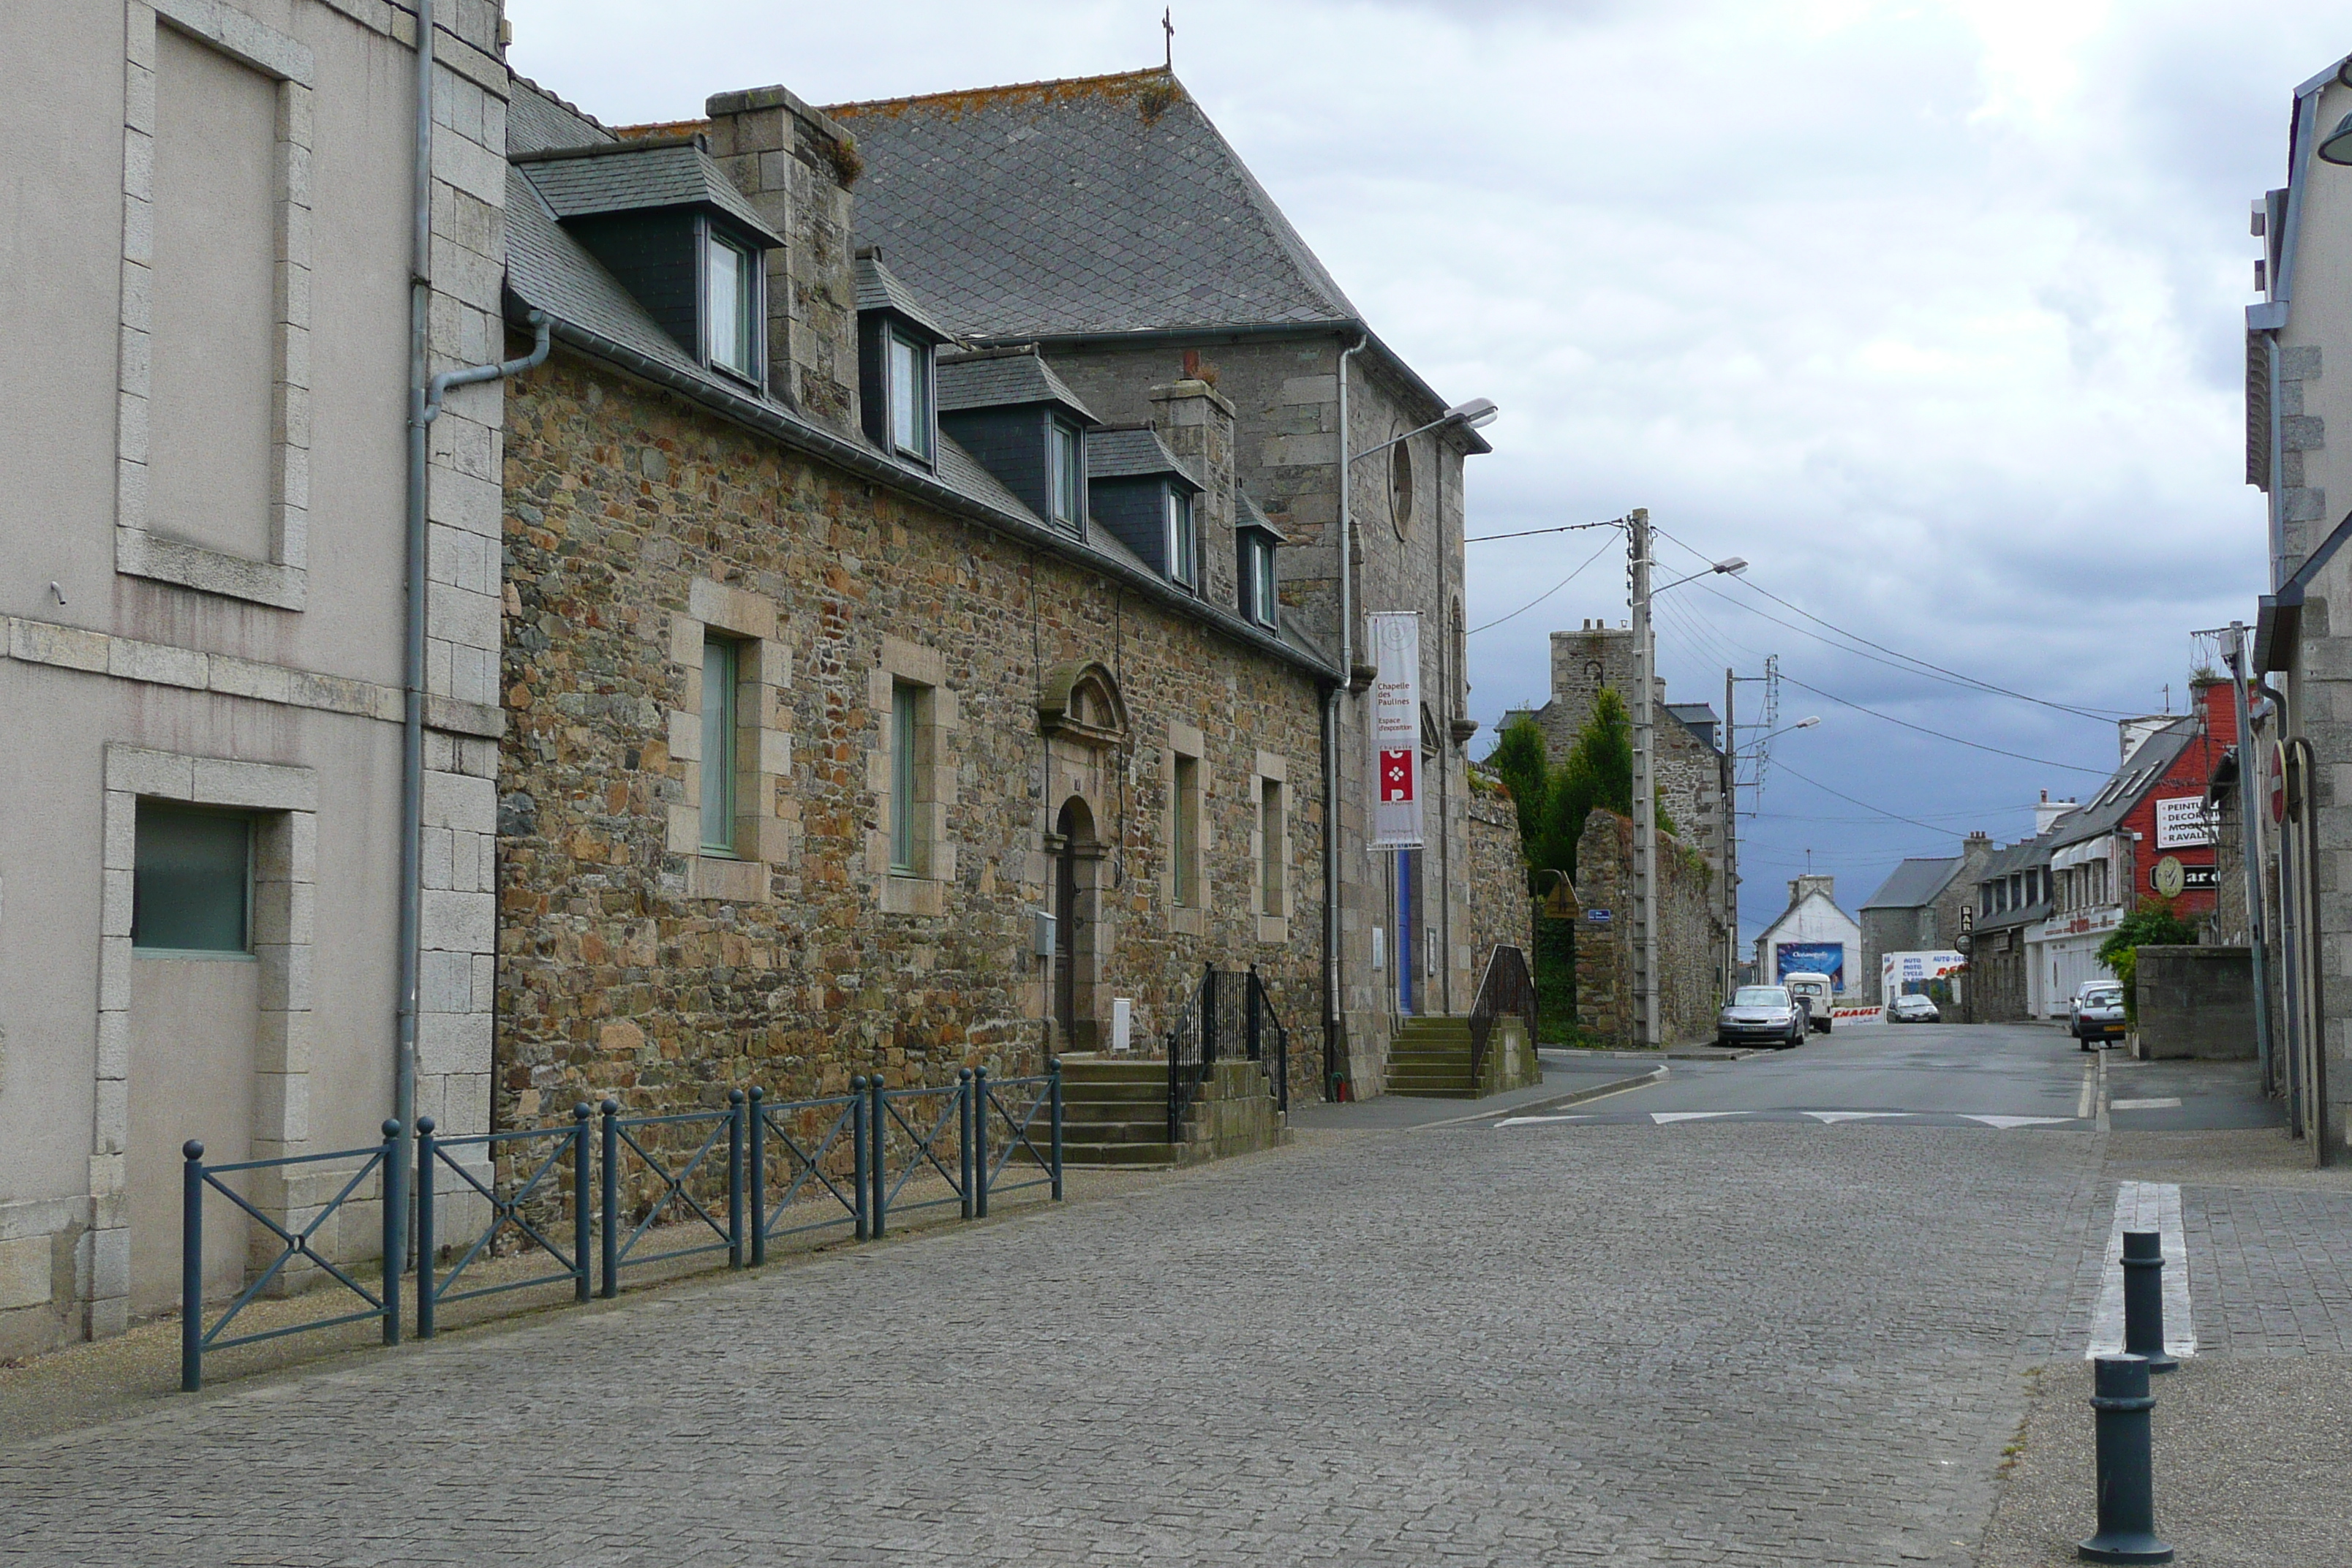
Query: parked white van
x,y
1816,992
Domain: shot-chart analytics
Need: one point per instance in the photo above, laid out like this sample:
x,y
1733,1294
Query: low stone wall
x,y
2196,1002
1690,936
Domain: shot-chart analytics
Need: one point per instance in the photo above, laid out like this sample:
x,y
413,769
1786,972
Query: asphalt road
x,y
2002,1077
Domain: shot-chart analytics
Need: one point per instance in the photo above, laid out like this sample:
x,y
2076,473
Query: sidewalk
x,y
2250,1433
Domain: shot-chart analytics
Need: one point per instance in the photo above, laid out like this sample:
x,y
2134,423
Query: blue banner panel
x,y
1810,957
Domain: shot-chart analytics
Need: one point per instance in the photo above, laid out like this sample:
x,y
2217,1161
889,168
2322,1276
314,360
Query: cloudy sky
x,y
1931,310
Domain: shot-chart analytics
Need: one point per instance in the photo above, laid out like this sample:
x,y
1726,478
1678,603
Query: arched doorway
x,y
1077,852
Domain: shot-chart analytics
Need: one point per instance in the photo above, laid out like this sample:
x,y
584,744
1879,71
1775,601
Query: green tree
x,y
1519,762
2153,924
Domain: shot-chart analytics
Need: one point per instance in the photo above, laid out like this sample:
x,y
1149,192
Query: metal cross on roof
x,y
1167,26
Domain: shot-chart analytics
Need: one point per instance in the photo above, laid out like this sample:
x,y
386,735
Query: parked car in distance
x,y
1913,1009
2095,1012
1818,994
1764,1014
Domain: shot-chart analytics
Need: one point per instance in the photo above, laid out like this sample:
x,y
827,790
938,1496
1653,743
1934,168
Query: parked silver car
x,y
2095,1012
1761,1014
1914,1009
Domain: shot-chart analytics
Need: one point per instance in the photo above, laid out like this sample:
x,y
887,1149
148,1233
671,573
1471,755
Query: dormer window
x,y
910,412
730,311
1258,587
1066,472
1184,540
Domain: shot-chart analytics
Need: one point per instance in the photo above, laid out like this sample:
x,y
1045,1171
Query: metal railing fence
x,y
196,1176
508,1214
855,1153
1269,1040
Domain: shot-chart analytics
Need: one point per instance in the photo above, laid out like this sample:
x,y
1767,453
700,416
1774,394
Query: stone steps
x,y
1114,1112
1429,1058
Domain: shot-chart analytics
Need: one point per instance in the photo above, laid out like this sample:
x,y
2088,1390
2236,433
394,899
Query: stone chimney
x,y
2047,811
796,164
1197,423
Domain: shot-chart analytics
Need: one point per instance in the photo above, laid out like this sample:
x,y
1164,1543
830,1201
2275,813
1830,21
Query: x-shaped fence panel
x,y
508,1214
806,1157
676,1193
923,1144
1030,1099
196,1177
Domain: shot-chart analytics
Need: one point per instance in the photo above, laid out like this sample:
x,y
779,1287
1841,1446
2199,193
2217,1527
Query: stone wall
x,y
1995,990
1501,914
2195,1002
631,964
1690,936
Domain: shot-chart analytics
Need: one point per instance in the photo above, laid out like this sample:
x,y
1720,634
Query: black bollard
x,y
2144,1300
2126,1479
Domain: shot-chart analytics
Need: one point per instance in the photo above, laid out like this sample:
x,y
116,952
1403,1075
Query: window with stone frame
x,y
730,738
911,778
1274,892
1186,829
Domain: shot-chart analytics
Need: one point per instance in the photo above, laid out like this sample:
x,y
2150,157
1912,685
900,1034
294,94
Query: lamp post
x,y
1646,805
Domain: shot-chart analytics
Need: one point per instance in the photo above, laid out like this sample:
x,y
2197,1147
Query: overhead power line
x,y
1910,663
1866,805
1940,735
1531,533
1547,594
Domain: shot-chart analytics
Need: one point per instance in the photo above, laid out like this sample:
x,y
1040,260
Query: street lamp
x,y
1730,566
1475,414
1804,723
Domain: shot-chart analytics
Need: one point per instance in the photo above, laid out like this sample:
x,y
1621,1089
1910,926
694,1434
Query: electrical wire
x,y
1547,594
1866,805
1940,735
1910,663
1531,533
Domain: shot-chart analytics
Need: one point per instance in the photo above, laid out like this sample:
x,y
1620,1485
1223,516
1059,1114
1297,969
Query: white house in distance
x,y
1813,935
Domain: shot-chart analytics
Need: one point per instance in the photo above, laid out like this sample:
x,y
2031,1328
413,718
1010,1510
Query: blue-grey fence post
x,y
426,1245
758,1182
191,1267
977,1091
1054,1088
963,1138
857,1154
582,1228
609,1210
877,1112
396,1201
734,1178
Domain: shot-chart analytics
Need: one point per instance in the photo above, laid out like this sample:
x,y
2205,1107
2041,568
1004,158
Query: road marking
x,y
1828,1116
2089,1102
1536,1121
1662,1117
2103,1125
2145,1205
2006,1122
2167,1102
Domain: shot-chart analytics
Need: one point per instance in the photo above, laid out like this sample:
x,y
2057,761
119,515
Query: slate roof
x,y
2023,855
1132,453
549,268
2127,785
878,289
638,177
1699,719
1252,517
1914,883
1101,204
1002,379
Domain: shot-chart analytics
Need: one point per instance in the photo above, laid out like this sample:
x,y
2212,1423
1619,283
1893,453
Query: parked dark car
x,y
1762,1015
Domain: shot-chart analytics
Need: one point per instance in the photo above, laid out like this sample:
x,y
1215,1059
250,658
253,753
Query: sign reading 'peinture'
x,y
2183,822
1396,730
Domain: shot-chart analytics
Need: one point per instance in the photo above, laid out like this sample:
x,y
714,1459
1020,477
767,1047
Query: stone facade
x,y
1690,936
633,964
2194,1002
1688,766
1502,913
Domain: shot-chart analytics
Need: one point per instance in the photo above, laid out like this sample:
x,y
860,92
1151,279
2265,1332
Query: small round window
x,y
1400,486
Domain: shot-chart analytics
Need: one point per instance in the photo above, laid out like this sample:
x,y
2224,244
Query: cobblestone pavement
x,y
1740,1344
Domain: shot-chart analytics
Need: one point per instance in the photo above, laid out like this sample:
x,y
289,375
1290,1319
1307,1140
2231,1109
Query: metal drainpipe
x,y
412,731
1334,973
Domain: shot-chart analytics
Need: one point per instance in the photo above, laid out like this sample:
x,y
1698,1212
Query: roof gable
x,y
602,178
1003,378
1101,204
1914,883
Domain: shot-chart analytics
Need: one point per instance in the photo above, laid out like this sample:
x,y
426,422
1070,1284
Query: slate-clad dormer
x,y
672,229
1020,422
1257,569
898,350
1143,493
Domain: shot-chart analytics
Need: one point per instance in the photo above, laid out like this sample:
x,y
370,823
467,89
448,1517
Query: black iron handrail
x,y
1191,1051
1269,1037
1508,988
433,1288
195,1339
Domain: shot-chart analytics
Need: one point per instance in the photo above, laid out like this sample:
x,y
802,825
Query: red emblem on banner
x,y
1396,776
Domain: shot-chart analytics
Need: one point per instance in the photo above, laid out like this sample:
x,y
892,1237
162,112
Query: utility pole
x,y
1646,812
2250,831
1730,841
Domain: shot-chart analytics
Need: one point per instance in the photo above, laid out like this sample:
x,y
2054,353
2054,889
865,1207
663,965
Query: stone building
x,y
1917,909
2013,902
207,324
2298,339
893,683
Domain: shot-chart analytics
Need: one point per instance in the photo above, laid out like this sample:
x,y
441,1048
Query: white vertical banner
x,y
1396,730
